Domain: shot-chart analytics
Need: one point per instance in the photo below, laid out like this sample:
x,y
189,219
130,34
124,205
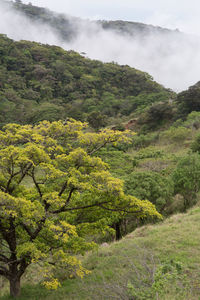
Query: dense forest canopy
x,y
42,82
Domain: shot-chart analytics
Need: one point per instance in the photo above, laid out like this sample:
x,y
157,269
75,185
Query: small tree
x,y
54,191
96,120
152,186
195,146
186,178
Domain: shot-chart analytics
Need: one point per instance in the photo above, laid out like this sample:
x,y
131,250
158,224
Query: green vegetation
x,y
189,100
67,185
152,186
41,82
54,193
187,178
153,262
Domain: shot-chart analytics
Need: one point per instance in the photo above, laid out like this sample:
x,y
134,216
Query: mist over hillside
x,y
171,57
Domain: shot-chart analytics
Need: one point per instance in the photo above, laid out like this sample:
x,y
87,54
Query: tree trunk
x,y
118,230
15,287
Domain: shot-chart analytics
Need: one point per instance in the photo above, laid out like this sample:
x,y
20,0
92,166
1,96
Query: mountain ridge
x,y
43,14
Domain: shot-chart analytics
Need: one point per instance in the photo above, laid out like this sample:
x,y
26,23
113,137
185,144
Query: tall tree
x,y
53,191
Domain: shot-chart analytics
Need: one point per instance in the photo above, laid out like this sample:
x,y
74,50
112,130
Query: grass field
x,y
159,261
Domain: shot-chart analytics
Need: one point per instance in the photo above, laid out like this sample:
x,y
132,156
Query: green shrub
x,y
152,186
142,140
168,279
195,146
149,152
186,178
176,135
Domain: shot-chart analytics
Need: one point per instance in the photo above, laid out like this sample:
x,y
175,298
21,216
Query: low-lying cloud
x,y
172,59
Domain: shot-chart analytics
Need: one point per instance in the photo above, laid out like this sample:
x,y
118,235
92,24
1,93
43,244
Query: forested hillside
x,y
41,82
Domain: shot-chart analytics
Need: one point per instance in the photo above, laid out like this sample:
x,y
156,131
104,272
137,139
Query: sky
x,y
181,14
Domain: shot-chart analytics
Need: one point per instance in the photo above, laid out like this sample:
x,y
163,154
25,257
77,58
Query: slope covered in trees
x,y
41,82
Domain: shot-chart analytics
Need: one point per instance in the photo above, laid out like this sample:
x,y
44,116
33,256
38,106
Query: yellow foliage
x,y
51,284
29,249
53,190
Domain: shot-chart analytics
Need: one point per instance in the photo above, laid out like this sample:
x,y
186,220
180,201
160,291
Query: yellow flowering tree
x,y
53,192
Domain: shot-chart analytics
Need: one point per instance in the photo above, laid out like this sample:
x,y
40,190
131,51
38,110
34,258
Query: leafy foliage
x,y
176,135
186,178
157,115
169,276
53,192
152,186
189,100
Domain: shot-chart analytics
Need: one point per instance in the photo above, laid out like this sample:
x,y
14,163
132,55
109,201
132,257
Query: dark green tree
x,y
186,178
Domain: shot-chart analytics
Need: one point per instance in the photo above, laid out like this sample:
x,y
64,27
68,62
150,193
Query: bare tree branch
x,y
24,172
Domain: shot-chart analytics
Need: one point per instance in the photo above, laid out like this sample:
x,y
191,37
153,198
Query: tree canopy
x,y
53,191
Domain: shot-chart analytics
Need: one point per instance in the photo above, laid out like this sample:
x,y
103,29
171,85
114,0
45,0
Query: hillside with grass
x,y
154,262
159,261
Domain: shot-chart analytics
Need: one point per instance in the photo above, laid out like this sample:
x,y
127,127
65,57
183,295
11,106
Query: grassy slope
x,y
134,259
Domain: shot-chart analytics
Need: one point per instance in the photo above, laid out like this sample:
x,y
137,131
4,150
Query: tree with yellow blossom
x,y
54,191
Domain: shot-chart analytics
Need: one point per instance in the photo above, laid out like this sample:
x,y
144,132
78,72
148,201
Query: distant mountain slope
x,y
135,28
68,26
40,82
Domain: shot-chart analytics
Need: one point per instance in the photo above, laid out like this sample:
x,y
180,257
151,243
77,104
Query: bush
x,y
176,135
186,179
149,152
168,279
196,144
152,186
142,140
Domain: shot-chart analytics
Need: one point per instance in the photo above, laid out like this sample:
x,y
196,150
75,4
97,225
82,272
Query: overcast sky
x,y
182,14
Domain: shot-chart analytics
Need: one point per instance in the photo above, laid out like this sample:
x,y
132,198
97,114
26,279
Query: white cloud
x,y
180,12
18,27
